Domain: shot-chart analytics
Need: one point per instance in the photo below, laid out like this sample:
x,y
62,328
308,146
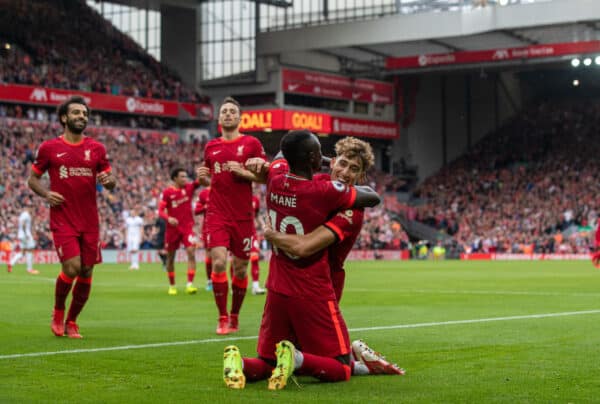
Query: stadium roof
x,y
409,33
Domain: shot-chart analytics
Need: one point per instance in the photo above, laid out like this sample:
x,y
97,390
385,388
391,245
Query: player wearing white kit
x,y
134,226
26,241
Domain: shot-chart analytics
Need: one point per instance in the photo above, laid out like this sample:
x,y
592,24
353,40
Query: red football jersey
x,y
346,225
202,202
73,169
178,204
598,235
231,196
298,205
255,205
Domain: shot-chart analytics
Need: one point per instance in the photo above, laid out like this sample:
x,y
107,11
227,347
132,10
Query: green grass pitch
x,y
466,332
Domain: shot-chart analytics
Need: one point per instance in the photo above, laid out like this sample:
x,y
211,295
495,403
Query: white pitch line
x,y
206,341
476,292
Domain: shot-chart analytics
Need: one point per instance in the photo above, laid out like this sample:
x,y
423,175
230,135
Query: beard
x,y
76,126
230,125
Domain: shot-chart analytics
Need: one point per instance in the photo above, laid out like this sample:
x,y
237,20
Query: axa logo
x,y
63,172
39,94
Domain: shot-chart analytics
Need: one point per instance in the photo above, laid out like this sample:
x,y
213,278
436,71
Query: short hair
x,y
293,146
63,109
231,100
175,172
352,147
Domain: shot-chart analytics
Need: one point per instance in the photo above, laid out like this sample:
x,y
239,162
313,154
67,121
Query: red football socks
x,y
324,369
208,267
256,369
238,291
254,269
191,273
81,293
61,291
220,290
171,276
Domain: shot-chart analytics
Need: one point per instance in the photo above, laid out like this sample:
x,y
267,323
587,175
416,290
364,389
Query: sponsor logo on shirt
x,y
179,201
59,155
216,152
66,172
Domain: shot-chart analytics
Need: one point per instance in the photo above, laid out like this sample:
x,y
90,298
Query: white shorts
x,y
133,244
26,243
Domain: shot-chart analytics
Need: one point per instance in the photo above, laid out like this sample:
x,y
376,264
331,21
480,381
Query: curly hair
x,y
352,147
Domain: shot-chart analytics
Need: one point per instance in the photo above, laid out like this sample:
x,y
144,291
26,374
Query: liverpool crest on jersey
x,y
240,150
87,155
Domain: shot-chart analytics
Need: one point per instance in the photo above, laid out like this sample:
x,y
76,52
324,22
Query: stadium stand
x,y
142,159
66,59
527,188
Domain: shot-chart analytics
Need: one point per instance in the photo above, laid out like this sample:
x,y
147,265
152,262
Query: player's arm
x,y
303,245
34,182
162,212
203,175
259,167
366,197
237,169
107,180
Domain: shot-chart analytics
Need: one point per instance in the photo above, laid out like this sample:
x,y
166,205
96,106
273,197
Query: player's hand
x,y
235,167
172,221
106,179
54,198
256,165
268,229
203,172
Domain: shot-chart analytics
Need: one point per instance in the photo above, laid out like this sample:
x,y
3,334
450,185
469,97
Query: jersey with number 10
x,y
297,205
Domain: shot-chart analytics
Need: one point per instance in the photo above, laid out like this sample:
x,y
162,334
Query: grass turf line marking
x,y
387,327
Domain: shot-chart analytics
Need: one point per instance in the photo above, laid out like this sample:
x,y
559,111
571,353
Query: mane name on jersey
x,y
283,200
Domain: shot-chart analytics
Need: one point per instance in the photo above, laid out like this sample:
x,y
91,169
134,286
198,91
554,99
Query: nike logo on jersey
x,y
216,152
60,154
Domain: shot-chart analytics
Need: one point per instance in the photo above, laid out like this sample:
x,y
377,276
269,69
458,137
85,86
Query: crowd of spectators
x,y
48,114
533,186
75,55
142,161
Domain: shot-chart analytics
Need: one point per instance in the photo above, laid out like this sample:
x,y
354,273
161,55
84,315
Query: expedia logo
x,y
130,104
135,105
501,54
39,94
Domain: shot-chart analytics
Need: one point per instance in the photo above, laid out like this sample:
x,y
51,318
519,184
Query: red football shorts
x,y
204,235
237,237
315,326
337,280
174,237
85,245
